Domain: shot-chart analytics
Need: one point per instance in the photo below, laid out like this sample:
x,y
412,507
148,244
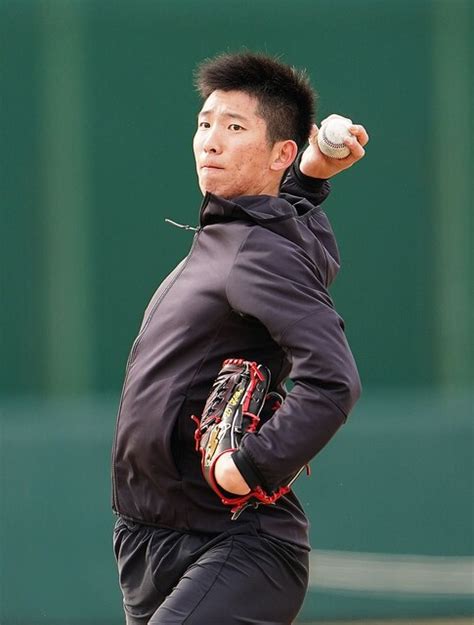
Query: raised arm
x,y
309,174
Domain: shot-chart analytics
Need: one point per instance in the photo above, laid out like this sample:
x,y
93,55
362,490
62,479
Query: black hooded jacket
x,y
254,286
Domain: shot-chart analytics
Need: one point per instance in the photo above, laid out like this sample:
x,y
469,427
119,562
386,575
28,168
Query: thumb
x,y
313,135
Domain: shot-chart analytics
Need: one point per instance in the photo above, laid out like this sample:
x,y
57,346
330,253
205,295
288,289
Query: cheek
x,y
251,161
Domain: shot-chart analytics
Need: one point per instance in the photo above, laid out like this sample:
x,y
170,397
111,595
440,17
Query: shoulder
x,y
264,250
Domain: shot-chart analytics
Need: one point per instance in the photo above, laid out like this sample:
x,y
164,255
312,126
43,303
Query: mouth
x,y
210,167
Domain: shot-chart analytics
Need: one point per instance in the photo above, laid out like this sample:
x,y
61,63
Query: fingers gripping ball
x,y
331,137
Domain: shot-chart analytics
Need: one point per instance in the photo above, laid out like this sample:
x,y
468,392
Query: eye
x,y
235,127
204,125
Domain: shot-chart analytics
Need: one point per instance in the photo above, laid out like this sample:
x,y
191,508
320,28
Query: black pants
x,y
236,578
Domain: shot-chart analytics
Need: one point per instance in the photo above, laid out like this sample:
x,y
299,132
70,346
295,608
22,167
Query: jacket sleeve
x,y
296,183
274,281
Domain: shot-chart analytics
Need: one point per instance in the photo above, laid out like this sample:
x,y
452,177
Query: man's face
x,y
232,153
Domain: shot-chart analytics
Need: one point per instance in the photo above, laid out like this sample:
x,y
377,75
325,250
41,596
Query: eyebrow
x,y
225,113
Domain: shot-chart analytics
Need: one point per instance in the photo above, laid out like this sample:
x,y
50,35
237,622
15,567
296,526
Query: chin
x,y
216,191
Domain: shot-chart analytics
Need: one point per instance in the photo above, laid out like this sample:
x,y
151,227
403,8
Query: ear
x,y
283,154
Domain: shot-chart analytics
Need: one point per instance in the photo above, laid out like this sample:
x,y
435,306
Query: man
x,y
253,286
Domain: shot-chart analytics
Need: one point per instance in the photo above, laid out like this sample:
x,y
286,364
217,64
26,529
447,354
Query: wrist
x,y
305,165
307,175
228,476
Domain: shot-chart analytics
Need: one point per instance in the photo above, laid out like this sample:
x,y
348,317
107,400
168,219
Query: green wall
x,y
98,115
97,151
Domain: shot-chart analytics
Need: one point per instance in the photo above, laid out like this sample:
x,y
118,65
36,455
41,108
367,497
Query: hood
x,y
292,217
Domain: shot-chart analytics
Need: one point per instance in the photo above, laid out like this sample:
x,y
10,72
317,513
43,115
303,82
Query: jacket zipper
x,y
132,355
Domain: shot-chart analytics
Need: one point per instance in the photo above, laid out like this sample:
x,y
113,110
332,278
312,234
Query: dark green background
x,y
98,113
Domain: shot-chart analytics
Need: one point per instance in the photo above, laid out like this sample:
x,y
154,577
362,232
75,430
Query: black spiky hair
x,y
286,100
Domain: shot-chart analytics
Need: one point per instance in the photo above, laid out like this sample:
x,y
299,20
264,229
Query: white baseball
x,y
331,137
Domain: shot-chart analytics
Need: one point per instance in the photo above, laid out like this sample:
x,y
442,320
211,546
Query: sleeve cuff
x,y
308,182
247,469
316,190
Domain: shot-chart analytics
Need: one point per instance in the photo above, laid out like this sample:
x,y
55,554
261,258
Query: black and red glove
x,y
231,411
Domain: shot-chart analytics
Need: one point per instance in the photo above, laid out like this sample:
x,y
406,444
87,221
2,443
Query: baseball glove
x,y
231,411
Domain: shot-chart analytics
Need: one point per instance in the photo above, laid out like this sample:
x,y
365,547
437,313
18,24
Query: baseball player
x,y
208,441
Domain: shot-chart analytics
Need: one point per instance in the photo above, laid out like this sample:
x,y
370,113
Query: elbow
x,y
345,389
351,390
355,388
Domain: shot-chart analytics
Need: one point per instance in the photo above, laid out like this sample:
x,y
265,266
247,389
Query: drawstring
x,y
184,226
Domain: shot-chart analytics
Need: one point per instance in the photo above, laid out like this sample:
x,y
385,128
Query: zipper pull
x,y
183,226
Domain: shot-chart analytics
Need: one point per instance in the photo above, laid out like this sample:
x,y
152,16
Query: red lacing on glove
x,y
255,420
238,502
257,494
255,377
197,431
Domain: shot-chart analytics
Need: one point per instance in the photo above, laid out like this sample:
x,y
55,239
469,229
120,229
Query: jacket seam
x,y
322,273
301,319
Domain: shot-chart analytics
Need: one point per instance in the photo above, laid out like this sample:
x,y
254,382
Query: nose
x,y
212,143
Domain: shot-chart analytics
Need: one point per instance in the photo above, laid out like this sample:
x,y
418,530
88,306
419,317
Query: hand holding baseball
x,y
343,144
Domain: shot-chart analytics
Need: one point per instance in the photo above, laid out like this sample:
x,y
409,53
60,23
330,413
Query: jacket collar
x,y
263,209
291,217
